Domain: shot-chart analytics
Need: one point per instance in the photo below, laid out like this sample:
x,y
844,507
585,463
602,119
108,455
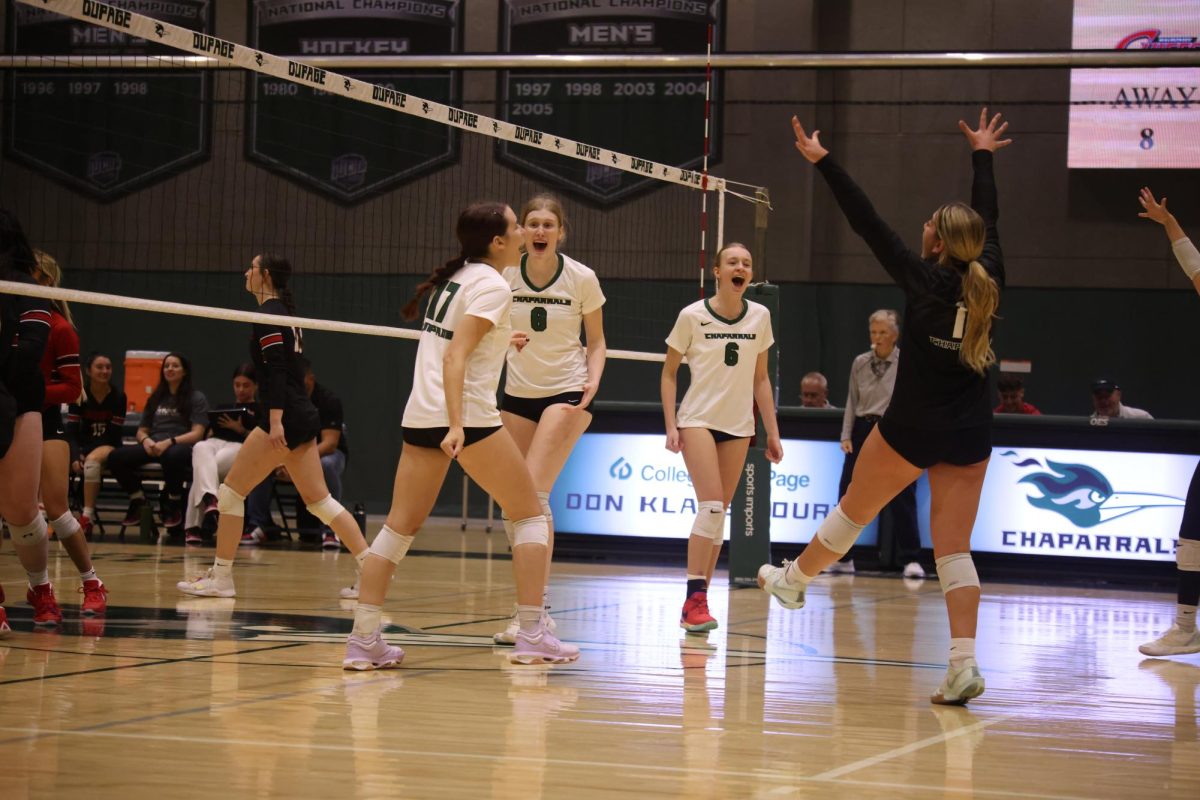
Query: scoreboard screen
x,y
1140,118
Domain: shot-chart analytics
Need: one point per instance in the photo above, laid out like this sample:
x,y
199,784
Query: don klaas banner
x,y
1079,503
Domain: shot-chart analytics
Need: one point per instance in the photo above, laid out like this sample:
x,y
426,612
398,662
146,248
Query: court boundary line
x,y
789,779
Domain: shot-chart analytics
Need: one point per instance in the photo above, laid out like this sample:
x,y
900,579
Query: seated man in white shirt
x,y
1106,402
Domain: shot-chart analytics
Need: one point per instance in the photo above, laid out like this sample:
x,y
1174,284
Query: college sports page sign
x,y
1076,503
657,115
631,485
1135,118
347,149
106,132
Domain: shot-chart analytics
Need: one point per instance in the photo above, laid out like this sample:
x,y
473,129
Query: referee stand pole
x,y
750,523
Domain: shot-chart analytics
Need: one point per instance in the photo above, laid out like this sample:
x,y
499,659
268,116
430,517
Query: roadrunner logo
x,y
1082,494
621,469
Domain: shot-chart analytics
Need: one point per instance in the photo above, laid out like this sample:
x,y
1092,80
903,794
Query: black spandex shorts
x,y
722,436
924,448
52,425
301,423
432,437
531,408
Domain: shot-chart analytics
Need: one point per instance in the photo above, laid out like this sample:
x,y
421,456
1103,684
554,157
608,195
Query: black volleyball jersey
x,y
94,422
275,351
934,390
24,330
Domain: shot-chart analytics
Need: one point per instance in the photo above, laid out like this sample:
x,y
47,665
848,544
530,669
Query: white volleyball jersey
x,y
476,290
554,361
721,355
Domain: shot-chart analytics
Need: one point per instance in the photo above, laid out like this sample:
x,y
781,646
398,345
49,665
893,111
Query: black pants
x,y
124,463
899,536
1189,528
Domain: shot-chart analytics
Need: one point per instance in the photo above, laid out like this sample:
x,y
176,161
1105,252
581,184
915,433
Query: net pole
x,y
720,242
704,165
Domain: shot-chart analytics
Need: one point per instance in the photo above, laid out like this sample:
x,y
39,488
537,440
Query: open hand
x,y
809,146
987,135
1155,209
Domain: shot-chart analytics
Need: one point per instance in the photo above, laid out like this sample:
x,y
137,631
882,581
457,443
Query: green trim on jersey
x,y
529,283
735,320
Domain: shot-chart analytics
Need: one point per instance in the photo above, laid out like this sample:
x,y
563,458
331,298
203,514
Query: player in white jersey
x,y
551,377
725,339
451,413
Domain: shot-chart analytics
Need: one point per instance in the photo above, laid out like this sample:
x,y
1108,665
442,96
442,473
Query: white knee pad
x,y
391,545
31,534
531,530
1187,555
91,471
544,499
326,510
956,571
838,532
508,528
230,502
65,526
710,521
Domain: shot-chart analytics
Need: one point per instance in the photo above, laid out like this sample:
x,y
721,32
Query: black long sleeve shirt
x,y
934,390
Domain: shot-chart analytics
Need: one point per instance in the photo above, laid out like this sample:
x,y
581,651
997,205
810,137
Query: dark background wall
x,y
1092,289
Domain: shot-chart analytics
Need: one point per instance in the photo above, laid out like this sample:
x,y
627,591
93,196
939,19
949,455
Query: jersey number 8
x,y
537,318
731,354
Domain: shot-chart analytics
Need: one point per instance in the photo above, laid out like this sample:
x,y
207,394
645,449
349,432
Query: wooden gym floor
x,y
178,697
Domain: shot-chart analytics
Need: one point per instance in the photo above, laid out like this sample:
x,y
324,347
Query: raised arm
x,y
888,248
1185,252
984,141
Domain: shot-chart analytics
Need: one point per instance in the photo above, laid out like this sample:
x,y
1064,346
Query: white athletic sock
x,y
961,650
38,578
222,567
1185,617
89,512
529,617
90,575
65,526
366,619
795,577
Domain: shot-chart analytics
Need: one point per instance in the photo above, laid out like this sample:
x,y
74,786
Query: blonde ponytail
x,y
50,268
981,295
962,233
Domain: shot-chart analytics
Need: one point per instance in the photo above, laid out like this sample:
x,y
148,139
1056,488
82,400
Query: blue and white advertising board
x,y
1039,501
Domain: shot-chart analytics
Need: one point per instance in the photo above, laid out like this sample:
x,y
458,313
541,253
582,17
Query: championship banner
x,y
305,75
659,113
106,132
337,145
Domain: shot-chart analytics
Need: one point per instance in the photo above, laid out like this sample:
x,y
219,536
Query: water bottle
x,y
148,533
360,516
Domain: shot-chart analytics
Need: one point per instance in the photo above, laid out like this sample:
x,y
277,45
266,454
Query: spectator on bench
x,y
175,419
334,451
1106,402
212,458
95,427
814,391
1012,396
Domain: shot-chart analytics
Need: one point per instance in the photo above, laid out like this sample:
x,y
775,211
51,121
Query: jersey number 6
x,y
731,354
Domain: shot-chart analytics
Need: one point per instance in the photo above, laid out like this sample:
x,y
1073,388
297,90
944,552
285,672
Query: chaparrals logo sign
x,y
1083,495
1083,503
